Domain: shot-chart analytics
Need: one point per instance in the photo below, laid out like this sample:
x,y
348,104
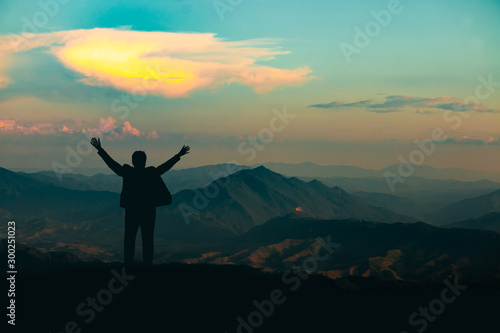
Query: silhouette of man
x,y
143,190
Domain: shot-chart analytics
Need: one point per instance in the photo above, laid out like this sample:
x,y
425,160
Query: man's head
x,y
139,159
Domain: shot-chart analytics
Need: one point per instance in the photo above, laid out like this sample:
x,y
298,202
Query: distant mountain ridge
x,y
309,169
472,208
490,221
197,177
176,180
23,197
416,197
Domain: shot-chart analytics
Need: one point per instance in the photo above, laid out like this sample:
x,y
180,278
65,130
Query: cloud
x,y
153,136
125,130
397,103
333,105
160,63
65,129
425,112
462,107
389,110
128,129
13,126
107,126
465,140
7,125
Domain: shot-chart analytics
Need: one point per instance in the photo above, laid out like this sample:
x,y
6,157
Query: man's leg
x,y
132,220
147,233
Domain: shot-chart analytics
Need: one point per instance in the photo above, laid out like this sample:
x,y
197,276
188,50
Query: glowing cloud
x,y
7,125
13,126
128,129
65,129
107,126
153,135
162,63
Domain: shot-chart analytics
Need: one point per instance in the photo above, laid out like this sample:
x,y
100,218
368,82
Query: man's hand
x,y
96,143
184,151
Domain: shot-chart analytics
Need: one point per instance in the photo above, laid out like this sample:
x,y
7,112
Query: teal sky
x,y
433,53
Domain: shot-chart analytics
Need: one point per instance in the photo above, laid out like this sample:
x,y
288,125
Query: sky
x,y
330,82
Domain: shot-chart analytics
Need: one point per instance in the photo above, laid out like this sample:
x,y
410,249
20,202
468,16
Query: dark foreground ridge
x,y
210,298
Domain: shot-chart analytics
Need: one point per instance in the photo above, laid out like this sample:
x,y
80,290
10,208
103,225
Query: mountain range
x,y
215,223
466,209
417,197
308,169
177,179
490,221
53,217
192,178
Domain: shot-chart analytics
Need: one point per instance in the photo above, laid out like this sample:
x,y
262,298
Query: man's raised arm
x,y
111,163
171,162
